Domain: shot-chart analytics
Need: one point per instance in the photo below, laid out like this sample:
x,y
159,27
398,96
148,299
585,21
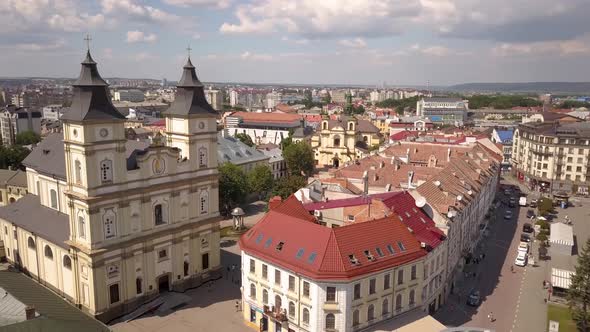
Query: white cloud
x,y
255,56
199,3
107,53
353,43
144,56
302,41
137,11
559,48
437,51
139,36
36,47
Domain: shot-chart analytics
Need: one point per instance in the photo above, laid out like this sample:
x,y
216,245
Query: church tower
x,y
191,122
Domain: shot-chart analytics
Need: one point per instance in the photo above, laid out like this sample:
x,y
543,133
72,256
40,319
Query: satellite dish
x,y
437,183
451,214
459,198
420,202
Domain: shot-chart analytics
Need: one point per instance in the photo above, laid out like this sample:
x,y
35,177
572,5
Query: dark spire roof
x,y
91,100
190,95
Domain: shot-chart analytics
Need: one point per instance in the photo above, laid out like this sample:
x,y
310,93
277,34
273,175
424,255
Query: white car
x,y
523,247
508,215
521,259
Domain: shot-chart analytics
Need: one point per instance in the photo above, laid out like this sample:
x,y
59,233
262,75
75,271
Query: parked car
x,y
524,237
521,259
533,203
530,214
522,201
512,202
508,215
474,298
523,247
527,228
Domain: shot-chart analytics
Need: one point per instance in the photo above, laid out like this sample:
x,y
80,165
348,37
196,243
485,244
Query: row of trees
x,y
12,156
235,185
400,104
501,101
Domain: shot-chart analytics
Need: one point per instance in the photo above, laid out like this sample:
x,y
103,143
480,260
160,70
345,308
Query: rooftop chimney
x,y
30,312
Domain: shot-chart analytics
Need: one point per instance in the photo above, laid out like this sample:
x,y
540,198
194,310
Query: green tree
x,y
27,137
545,206
12,156
233,186
245,139
299,158
260,180
288,185
579,291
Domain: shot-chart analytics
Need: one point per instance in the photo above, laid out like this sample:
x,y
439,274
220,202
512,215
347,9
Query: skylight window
x,y
379,252
312,257
280,246
401,246
407,214
369,255
390,249
300,253
259,238
268,242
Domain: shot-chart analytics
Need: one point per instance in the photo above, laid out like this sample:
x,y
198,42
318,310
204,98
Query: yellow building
x,y
110,223
343,139
300,276
13,186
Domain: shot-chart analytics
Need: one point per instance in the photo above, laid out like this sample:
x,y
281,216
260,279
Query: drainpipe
x,y
37,258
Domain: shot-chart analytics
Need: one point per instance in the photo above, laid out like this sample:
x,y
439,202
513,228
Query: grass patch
x,y
562,315
226,231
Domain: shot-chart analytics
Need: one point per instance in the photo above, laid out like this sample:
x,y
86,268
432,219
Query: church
x,y
110,223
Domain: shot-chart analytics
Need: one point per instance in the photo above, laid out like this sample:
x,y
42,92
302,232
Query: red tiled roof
x,y
403,135
339,203
267,117
319,252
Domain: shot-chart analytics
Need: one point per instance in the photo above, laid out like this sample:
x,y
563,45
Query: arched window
x,y
78,171
31,243
160,214
291,309
253,291
53,198
12,200
385,307
356,318
67,262
264,296
398,302
412,297
202,157
48,252
278,302
109,223
204,201
365,139
106,171
371,312
186,266
305,316
336,140
81,226
138,286
351,126
324,125
330,321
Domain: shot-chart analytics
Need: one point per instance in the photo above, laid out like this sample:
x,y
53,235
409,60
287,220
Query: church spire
x,y
190,94
91,100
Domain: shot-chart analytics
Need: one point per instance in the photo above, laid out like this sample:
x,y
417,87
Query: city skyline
x,y
300,42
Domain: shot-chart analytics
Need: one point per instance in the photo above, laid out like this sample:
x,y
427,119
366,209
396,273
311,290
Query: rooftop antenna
x,y
88,39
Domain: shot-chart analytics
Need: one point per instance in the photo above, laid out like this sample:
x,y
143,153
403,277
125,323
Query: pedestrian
x,y
491,316
237,306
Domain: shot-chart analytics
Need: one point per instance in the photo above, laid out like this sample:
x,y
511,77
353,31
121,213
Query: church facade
x,y
110,223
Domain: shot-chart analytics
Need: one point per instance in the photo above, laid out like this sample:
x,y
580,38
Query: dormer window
x,y
353,260
369,255
280,246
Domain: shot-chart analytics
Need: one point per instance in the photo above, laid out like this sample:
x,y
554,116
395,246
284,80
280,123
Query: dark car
x,y
524,237
533,203
527,228
530,213
474,299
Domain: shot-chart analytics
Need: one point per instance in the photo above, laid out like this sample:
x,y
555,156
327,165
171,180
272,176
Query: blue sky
x,y
401,42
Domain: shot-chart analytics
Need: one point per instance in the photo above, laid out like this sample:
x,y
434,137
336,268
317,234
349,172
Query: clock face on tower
x,y
103,132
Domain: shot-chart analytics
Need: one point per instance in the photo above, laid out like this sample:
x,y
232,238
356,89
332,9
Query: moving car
x,y
474,298
523,247
508,215
521,259
524,237
527,228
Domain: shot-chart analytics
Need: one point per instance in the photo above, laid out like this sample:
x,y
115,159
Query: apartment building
x,y
451,111
15,120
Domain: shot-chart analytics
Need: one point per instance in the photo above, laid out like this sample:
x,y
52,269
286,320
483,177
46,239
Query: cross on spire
x,y
88,39
189,49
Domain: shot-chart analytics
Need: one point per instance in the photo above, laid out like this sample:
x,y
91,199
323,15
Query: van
x,y
522,201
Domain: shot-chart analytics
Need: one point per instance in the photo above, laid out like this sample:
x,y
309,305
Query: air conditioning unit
x,y
317,213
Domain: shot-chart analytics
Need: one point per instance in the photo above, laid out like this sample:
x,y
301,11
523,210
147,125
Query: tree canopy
x,y
233,186
299,158
573,104
12,156
579,291
287,185
501,101
260,180
244,138
27,137
400,104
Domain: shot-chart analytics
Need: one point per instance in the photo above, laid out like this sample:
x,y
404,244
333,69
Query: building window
x,y
186,266
400,277
31,243
398,302
278,303
138,286
204,200
371,312
330,294
386,281
202,157
67,262
306,289
106,171
78,171
305,316
277,277
291,309
252,266
324,125
337,141
356,318
330,321
412,297
81,227
160,214
265,273
162,255
48,252
385,307
413,274
53,198
205,261
357,292
292,283
114,293
350,126
110,227
372,287
264,296
253,291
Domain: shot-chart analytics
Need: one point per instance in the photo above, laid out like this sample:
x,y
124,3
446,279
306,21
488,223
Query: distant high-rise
x,y
164,83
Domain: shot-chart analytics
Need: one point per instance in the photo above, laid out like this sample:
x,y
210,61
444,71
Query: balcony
x,y
331,306
542,153
276,313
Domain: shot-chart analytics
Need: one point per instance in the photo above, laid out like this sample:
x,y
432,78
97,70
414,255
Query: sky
x,y
370,42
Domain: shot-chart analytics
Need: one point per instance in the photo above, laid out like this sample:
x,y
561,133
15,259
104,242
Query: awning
x,y
561,278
